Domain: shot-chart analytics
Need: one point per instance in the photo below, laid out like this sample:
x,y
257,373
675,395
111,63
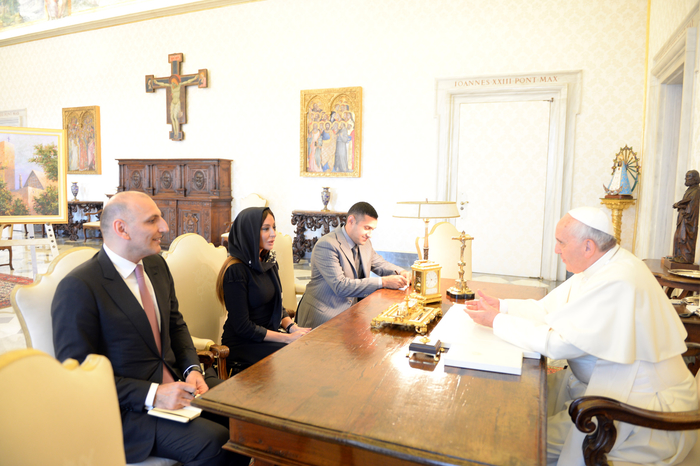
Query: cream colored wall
x,y
260,55
666,16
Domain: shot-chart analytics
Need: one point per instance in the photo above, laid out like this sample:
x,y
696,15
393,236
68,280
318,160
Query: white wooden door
x,y
501,184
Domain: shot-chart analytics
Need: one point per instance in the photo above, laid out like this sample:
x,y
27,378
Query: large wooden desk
x,y
347,395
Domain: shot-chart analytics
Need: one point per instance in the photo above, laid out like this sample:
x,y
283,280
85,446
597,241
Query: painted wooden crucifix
x,y
176,92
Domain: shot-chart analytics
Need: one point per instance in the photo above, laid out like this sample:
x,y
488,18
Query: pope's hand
x,y
483,311
485,303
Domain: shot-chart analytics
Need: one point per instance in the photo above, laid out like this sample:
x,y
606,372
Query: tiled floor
x,y
11,334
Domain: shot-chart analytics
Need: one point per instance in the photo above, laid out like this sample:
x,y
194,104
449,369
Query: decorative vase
x,y
325,198
74,190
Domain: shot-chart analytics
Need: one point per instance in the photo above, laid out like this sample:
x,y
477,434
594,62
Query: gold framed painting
x,y
32,175
82,125
331,132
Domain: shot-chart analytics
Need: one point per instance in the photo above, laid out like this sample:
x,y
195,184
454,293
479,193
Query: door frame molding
x,y
564,89
667,154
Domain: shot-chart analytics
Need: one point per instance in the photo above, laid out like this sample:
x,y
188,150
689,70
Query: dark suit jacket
x,y
94,311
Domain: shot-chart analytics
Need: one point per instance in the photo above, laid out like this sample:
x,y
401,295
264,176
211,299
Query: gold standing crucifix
x,y
460,290
176,92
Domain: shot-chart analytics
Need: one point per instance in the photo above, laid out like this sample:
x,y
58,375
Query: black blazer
x,y
94,311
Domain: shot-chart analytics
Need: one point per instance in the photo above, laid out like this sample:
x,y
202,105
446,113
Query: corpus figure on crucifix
x,y
175,86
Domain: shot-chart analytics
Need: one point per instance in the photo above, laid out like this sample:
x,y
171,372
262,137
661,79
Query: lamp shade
x,y
426,209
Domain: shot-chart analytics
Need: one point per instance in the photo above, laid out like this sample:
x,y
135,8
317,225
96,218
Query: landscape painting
x,y
32,176
331,132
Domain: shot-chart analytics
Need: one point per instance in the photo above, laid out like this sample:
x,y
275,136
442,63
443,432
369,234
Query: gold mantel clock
x,y
426,281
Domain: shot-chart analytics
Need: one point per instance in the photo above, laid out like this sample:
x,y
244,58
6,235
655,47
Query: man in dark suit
x,y
341,263
109,306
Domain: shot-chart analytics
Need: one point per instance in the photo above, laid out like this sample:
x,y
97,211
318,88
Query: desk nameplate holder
x,y
425,345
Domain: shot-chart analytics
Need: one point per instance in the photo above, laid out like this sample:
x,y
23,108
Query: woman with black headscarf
x,y
249,286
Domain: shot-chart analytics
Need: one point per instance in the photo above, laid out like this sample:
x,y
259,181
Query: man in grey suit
x,y
340,269
122,304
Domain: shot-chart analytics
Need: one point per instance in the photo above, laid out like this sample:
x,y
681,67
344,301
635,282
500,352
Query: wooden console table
x,y
194,195
346,394
81,208
312,220
671,281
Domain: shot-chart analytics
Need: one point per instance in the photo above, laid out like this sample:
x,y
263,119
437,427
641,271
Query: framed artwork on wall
x,y
82,151
32,175
331,132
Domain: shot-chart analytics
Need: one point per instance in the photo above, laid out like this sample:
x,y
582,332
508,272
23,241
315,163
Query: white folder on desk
x,y
476,346
483,355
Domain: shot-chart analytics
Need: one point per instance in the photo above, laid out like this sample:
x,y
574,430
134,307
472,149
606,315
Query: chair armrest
x,y
206,358
202,343
600,440
220,352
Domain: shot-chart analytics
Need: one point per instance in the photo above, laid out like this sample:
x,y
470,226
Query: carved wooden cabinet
x,y
194,195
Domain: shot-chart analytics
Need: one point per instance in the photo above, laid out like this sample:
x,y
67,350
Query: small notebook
x,y
185,414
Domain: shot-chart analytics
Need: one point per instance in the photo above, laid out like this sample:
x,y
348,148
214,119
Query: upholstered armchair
x,y
56,403
32,302
194,264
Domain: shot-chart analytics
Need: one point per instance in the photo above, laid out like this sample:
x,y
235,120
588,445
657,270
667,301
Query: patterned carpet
x,y
7,283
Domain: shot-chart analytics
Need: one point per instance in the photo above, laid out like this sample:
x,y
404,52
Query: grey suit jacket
x,y
334,285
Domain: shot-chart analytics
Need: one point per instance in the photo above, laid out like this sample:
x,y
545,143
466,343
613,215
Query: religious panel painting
x,y
82,125
331,132
32,176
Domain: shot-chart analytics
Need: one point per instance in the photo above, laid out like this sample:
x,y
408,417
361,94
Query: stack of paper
x,y
473,346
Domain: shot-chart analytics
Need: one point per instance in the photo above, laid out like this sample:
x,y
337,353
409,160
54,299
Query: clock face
x,y
431,279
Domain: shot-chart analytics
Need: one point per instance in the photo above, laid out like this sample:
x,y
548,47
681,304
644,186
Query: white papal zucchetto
x,y
594,218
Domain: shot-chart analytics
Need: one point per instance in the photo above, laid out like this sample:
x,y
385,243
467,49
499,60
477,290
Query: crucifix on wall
x,y
176,92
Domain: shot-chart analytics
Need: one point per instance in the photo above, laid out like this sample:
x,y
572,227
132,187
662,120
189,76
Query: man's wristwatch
x,y
190,369
290,326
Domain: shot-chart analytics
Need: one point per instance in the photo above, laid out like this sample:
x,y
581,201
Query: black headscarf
x,y
244,238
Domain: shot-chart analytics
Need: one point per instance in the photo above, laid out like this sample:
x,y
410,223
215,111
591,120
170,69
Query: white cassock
x,y
623,340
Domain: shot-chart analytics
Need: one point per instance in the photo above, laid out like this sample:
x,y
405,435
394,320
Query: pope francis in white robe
x,y
621,337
